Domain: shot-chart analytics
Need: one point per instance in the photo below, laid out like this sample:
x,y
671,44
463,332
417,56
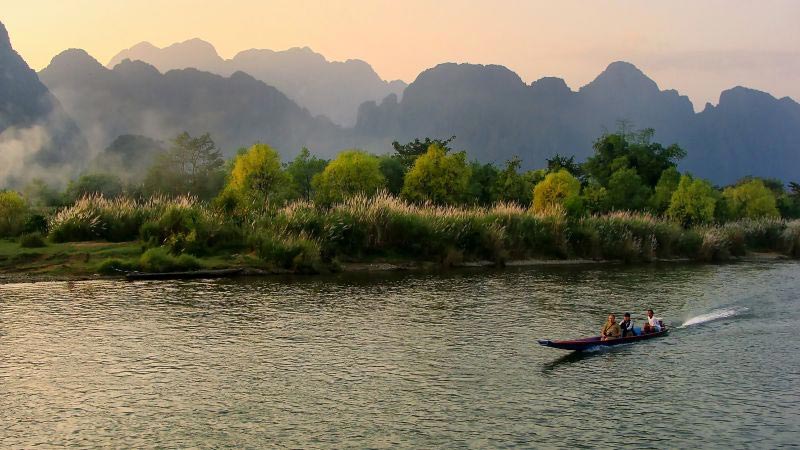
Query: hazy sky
x,y
697,47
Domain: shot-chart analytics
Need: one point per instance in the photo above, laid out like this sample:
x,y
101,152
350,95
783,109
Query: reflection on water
x,y
412,360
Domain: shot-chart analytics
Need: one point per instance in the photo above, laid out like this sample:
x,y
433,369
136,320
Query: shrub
x,y
159,259
32,240
36,223
689,243
191,229
13,212
761,234
791,239
294,253
714,246
115,266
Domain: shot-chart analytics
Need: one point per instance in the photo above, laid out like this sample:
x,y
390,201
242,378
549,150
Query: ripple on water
x,y
411,360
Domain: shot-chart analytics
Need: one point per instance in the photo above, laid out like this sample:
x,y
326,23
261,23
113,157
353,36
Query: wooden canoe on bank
x,y
194,274
595,341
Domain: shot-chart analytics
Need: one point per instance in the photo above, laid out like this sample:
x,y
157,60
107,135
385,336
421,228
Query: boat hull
x,y
595,341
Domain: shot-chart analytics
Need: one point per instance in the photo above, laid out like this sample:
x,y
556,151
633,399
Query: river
x,y
414,360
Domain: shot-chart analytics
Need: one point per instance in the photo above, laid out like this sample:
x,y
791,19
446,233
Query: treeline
x,y
628,172
424,200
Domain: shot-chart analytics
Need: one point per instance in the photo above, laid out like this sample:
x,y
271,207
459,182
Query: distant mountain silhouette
x,y
334,89
34,129
135,98
496,116
493,113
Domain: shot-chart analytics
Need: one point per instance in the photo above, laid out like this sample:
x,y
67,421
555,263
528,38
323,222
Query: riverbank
x,y
84,261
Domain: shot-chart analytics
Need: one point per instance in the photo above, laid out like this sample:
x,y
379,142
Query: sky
x,y
696,47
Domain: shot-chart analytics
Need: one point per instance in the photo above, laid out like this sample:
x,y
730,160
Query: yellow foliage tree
x,y
558,189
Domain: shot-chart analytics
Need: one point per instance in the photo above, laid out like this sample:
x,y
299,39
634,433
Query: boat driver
x,y
652,325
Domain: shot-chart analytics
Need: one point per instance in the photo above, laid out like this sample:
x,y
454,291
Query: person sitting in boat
x,y
653,325
611,329
627,325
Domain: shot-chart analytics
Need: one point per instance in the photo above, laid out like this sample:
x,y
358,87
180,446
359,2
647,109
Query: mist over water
x,y
404,360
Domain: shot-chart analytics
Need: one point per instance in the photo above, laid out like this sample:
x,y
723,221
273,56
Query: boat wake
x,y
714,315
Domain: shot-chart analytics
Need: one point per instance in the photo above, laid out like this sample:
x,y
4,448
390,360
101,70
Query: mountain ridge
x,y
36,134
331,88
496,116
134,98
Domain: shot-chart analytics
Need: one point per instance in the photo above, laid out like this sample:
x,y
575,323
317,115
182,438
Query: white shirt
x,y
653,321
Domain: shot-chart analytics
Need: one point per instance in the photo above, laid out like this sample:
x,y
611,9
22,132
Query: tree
x,y
302,170
104,184
558,162
39,193
512,186
558,189
626,190
256,176
352,172
482,183
665,187
394,171
409,152
649,159
789,202
191,165
751,199
13,212
595,198
693,202
438,177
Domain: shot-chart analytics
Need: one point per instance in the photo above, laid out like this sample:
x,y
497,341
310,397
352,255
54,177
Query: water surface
x,y
404,360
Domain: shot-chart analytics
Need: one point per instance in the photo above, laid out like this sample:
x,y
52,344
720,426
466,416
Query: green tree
x,y
105,184
558,162
352,172
751,199
13,213
626,190
649,159
191,165
693,202
558,189
482,183
789,202
438,177
595,198
513,186
257,176
662,194
40,194
394,171
302,170
409,152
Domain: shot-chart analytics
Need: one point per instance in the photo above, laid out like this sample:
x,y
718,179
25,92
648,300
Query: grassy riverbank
x,y
98,235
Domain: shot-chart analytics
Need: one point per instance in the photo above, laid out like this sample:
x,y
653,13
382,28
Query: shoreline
x,y
59,275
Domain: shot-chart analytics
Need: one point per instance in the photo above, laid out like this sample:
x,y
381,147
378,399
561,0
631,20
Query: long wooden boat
x,y
195,274
595,341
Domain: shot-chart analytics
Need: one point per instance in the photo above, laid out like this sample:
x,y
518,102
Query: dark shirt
x,y
627,327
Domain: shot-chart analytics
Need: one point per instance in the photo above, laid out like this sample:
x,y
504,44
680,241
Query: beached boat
x,y
595,341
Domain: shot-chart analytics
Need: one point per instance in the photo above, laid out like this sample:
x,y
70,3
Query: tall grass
x,y
117,219
301,235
